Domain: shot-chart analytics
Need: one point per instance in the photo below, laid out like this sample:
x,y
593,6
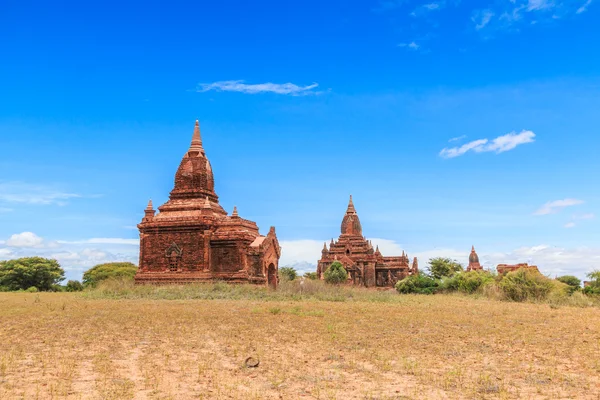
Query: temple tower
x,y
474,261
192,239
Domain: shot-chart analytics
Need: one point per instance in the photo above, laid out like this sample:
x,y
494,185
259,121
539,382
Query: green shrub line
x,y
116,281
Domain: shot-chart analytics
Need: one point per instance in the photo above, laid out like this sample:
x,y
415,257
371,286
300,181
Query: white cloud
x,y
499,145
18,192
241,87
294,251
584,7
5,252
387,247
456,139
411,45
584,216
5,210
432,6
552,207
133,242
25,239
481,18
579,217
535,5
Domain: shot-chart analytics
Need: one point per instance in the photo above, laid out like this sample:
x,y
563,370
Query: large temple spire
x,y
351,224
196,138
351,209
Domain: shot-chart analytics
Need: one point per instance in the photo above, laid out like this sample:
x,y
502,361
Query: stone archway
x,y
272,276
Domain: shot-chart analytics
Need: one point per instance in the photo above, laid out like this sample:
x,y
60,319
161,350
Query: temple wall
x,y
155,246
227,256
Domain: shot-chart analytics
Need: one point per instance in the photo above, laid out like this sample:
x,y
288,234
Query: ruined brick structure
x,y
365,266
506,268
192,239
474,261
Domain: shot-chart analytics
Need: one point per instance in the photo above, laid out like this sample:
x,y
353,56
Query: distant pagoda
x,y
365,266
474,264
192,239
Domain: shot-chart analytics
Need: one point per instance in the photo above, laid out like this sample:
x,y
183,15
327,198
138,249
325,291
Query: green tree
x,y
336,273
74,286
311,275
101,272
467,282
420,284
573,282
287,273
25,273
593,286
441,267
524,284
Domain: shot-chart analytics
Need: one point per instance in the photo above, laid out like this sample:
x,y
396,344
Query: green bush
x,y
24,273
592,290
287,273
529,285
311,275
467,282
441,267
32,289
420,284
573,282
93,276
593,287
336,273
74,286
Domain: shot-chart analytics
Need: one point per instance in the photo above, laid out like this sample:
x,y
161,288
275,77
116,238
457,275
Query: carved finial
x,y
207,203
149,207
377,249
324,246
235,212
472,248
196,139
351,209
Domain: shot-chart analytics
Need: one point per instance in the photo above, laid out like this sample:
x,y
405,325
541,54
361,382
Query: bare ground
x,y
437,347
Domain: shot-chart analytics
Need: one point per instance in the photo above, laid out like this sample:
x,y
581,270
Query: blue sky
x,y
452,123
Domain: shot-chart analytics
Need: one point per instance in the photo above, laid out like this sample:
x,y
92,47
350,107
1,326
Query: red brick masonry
x,y
365,266
192,239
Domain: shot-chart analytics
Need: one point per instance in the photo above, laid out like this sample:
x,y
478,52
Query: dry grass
x,y
375,346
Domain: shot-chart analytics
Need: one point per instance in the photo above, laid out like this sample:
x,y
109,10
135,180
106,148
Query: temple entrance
x,y
272,276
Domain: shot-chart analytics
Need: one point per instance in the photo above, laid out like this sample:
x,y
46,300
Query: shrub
x,y
311,275
440,267
573,282
93,276
23,273
74,286
287,273
336,273
467,282
32,289
421,284
593,287
524,284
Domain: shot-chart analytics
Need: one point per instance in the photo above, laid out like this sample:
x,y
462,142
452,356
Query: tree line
x,y
35,274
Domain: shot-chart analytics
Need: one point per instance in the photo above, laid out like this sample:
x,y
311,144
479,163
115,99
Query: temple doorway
x,y
272,276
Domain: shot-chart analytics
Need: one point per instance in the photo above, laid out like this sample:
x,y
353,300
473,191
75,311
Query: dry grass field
x,y
385,346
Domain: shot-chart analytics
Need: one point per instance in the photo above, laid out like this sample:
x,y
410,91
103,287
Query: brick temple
x,y
193,239
474,264
506,268
365,266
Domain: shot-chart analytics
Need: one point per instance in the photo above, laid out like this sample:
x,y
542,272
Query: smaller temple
x,y
506,268
474,264
365,266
